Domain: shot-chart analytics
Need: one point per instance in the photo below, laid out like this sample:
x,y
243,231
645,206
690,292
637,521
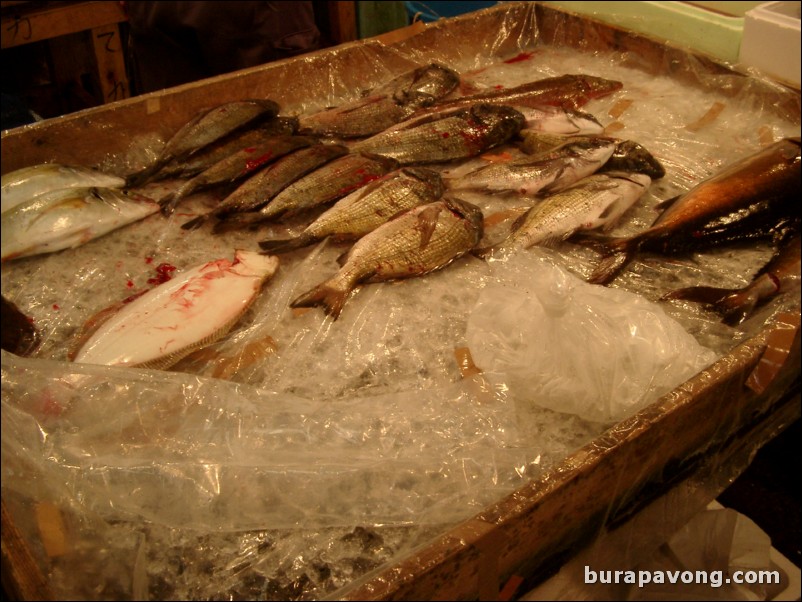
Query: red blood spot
x,y
254,164
164,272
50,406
148,260
524,56
130,284
445,135
55,306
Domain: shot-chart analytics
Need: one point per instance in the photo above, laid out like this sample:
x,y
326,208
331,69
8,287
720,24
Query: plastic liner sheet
x,y
299,453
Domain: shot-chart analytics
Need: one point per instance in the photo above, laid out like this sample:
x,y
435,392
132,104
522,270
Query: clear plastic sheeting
x,y
569,346
297,454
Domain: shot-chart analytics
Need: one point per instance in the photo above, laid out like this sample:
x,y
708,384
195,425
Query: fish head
x,y
598,87
631,156
432,179
501,121
469,212
435,80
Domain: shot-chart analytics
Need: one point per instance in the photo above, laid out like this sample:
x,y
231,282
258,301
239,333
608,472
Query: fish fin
x,y
733,304
427,222
324,295
616,254
663,205
195,222
142,177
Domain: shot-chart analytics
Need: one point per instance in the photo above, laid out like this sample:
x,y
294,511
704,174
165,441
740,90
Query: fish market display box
x,y
458,435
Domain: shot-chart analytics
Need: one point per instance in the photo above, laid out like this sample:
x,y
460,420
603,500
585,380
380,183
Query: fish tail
x,y
616,254
324,295
282,245
733,304
168,203
237,221
142,177
195,222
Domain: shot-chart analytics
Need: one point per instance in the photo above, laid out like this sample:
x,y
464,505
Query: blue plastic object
x,y
432,11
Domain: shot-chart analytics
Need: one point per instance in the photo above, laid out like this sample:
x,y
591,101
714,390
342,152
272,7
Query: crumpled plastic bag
x,y
566,345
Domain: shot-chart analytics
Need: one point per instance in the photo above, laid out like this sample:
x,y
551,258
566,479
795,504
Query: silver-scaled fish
x,y
241,208
69,217
547,172
416,242
28,182
204,128
195,308
628,155
237,166
367,208
384,106
596,202
460,134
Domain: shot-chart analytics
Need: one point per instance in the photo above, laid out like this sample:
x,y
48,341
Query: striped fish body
x,y
416,242
67,218
460,135
328,183
195,308
367,208
597,201
549,171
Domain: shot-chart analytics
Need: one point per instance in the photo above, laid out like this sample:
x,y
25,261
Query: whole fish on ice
x,y
416,242
780,274
628,155
595,202
195,308
384,106
457,135
26,183
69,217
242,208
570,90
205,128
186,167
547,172
237,166
756,197
367,208
328,183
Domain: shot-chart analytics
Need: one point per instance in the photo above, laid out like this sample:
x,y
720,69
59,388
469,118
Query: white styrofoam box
x,y
771,40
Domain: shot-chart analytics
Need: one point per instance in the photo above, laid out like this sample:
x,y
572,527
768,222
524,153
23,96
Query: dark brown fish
x,y
384,107
241,208
756,197
464,133
367,208
237,166
780,274
19,334
187,167
569,91
416,242
328,183
203,129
